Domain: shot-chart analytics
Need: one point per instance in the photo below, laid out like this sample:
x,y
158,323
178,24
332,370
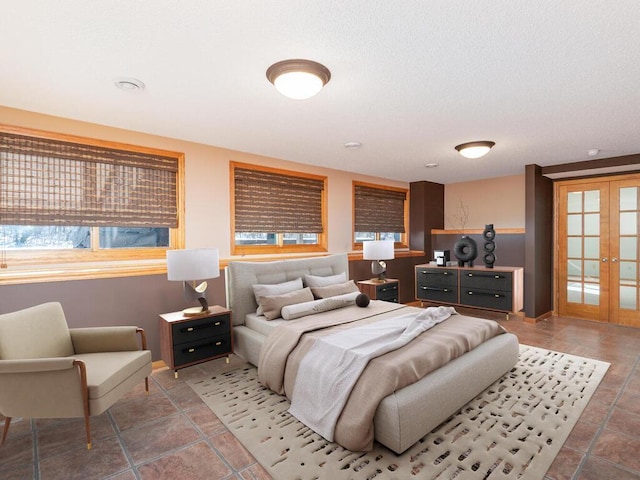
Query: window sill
x,y
14,275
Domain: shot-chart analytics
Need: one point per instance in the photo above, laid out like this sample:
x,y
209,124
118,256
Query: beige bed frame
x,y
406,415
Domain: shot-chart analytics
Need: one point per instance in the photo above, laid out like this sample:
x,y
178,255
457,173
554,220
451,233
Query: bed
x,y
404,416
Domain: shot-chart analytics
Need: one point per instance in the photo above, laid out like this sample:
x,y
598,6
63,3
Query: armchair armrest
x,y
35,365
106,339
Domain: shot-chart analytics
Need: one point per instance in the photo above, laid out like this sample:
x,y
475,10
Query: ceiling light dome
x,y
475,149
298,79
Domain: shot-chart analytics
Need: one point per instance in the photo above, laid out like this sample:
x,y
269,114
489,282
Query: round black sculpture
x,y
466,251
362,300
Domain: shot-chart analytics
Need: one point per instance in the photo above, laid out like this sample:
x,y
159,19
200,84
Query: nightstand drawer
x,y
200,328
204,348
387,292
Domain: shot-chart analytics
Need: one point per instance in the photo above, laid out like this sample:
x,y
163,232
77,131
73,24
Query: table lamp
x,y
193,266
377,251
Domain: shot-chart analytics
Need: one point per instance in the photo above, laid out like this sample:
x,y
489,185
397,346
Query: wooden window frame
x,y
43,265
280,247
403,243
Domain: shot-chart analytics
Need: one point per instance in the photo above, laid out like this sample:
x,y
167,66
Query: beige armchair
x,y
48,370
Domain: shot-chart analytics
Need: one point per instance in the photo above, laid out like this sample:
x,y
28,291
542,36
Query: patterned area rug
x,y
514,429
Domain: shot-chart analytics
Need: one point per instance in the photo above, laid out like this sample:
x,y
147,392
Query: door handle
x,y
614,260
604,259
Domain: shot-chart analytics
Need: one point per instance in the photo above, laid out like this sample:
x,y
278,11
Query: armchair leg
x,y
146,384
85,395
5,430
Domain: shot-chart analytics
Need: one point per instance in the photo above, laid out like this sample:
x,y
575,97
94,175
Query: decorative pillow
x,y
272,304
262,290
333,290
315,281
291,312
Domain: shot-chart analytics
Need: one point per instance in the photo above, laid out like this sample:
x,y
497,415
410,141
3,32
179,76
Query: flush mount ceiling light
x,y
352,145
129,84
475,149
298,79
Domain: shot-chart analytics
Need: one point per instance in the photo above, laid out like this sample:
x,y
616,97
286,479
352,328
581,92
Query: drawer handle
x,y
490,275
190,329
191,350
218,344
435,289
494,295
217,324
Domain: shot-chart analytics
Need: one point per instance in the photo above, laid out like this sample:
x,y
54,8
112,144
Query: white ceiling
x,y
547,80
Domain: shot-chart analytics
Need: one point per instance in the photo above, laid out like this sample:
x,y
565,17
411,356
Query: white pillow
x,y
262,290
291,312
316,281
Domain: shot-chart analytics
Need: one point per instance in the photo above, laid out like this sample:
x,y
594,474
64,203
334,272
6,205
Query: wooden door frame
x,y
556,220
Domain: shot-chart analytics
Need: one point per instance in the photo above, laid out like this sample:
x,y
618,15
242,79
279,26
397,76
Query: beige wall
x,y
495,200
207,179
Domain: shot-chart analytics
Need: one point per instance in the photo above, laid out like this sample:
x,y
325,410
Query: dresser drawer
x,y
197,329
493,299
203,348
436,276
387,292
486,280
438,293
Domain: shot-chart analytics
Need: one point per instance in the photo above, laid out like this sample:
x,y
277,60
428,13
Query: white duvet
x,y
330,369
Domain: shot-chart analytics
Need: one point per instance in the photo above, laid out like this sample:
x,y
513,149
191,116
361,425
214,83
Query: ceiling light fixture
x,y
129,84
475,149
431,165
352,145
298,79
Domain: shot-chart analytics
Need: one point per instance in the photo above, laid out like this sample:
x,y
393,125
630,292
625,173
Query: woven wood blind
x,y
268,202
53,182
378,209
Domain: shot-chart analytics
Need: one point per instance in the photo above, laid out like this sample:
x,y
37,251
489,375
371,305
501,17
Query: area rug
x,y
514,429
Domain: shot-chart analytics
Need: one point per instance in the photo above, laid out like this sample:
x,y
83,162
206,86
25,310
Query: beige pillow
x,y
316,281
262,290
333,290
272,304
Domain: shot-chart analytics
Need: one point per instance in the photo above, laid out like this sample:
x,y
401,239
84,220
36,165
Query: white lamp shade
x,y
193,264
378,250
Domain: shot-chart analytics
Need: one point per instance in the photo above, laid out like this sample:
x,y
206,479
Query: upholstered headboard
x,y
241,276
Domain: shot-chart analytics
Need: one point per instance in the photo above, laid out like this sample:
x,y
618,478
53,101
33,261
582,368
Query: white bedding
x,y
260,324
331,368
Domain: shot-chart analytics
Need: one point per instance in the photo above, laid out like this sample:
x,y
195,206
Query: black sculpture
x,y
466,251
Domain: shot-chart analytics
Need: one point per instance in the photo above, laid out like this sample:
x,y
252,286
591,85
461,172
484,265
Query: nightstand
x,y
188,340
386,290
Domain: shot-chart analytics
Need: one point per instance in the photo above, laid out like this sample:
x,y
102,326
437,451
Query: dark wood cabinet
x,y
499,288
386,290
188,340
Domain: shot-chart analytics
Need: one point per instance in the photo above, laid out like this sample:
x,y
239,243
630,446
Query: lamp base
x,y
193,311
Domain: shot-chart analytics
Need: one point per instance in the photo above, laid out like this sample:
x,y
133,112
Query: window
x,y
380,213
276,211
67,199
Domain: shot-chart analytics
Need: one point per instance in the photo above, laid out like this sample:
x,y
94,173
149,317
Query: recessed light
x,y
129,84
593,152
352,145
431,165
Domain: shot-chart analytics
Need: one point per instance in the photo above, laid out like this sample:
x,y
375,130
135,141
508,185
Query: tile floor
x,y
171,434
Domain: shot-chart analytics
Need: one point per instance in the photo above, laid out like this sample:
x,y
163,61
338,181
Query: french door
x,y
598,251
